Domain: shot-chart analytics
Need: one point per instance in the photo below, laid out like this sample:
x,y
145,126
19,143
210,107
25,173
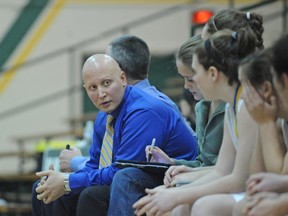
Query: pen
x,y
180,183
152,146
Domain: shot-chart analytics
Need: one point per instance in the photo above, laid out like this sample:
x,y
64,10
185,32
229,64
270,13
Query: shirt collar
x,y
143,84
117,111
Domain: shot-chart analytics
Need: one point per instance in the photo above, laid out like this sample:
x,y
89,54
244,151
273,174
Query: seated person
x,y
268,196
209,133
258,201
123,49
187,107
217,78
133,117
209,122
224,19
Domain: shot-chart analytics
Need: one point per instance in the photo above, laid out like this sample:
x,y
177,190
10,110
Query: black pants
x,y
39,208
93,200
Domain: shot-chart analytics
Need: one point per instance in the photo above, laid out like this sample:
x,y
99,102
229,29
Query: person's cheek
x,y
197,82
190,85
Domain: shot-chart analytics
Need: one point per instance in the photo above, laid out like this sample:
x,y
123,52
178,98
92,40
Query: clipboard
x,y
151,167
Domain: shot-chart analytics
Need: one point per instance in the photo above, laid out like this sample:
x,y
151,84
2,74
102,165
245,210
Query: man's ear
x,y
123,78
213,73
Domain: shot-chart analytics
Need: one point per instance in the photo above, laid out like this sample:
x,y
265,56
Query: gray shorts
x,y
239,196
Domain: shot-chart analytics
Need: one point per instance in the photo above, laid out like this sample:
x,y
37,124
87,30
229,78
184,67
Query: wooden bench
x,y
17,187
47,136
16,191
78,121
22,140
76,133
17,154
18,178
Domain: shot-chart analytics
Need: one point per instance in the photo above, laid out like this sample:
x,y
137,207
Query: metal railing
x,y
70,50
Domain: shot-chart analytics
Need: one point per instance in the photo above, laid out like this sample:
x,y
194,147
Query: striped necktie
x,y
107,144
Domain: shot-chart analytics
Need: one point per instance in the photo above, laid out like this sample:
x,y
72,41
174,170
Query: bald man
x,y
138,117
133,56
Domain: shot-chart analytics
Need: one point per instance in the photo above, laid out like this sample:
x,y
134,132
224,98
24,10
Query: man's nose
x,y
101,92
186,85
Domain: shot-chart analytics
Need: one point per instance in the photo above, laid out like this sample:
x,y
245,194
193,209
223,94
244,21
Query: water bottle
x,y
87,135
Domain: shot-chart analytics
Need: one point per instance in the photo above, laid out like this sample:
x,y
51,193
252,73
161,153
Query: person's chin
x,y
107,107
196,96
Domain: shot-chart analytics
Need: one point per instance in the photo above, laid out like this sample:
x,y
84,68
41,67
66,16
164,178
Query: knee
x,y
35,185
85,194
126,175
84,199
218,204
184,209
238,209
129,179
122,180
201,207
34,193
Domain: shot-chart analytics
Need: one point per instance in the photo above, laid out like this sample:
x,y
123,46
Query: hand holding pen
x,y
66,156
150,153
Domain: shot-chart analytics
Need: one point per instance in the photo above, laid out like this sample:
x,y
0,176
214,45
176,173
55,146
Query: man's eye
x,y
107,83
93,87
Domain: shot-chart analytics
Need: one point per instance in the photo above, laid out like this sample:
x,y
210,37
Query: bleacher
x,y
15,193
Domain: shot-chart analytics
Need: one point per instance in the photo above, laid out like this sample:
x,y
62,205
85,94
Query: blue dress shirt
x,y
78,162
138,119
147,87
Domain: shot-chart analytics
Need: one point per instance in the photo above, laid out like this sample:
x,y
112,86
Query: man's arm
x,y
78,162
131,136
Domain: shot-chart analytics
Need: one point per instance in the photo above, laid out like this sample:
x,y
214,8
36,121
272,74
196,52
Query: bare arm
x,y
235,180
264,111
227,177
272,147
225,162
178,175
257,162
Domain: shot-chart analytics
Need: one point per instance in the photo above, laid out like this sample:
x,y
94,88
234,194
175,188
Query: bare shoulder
x,y
244,120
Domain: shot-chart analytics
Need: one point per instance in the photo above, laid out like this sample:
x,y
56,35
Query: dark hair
x,y
235,20
225,49
280,55
257,67
186,51
132,54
